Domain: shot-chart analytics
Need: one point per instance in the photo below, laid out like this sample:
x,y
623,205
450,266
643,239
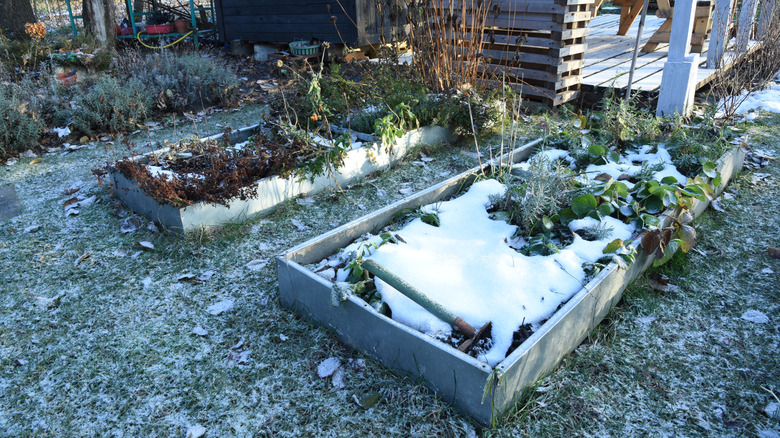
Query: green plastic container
x,y
301,48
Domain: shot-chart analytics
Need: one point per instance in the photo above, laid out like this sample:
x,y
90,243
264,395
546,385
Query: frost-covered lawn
x,y
133,347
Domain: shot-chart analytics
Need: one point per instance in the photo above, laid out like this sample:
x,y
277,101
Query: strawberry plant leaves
x,y
613,246
547,224
654,204
583,205
668,253
650,241
687,238
604,210
708,168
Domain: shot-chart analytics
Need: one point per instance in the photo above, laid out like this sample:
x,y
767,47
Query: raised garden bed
x,y
358,162
473,386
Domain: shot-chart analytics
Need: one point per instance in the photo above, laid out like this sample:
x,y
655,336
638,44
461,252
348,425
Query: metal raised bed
x,y
272,190
472,386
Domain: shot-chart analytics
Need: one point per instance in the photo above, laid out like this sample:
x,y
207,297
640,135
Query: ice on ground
x,y
466,265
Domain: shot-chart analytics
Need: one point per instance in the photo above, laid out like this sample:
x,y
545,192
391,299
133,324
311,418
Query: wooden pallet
x,y
539,45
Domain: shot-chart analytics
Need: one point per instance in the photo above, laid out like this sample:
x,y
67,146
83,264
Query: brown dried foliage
x,y
213,174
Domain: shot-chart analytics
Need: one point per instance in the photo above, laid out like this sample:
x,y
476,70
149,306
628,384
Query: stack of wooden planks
x,y
539,45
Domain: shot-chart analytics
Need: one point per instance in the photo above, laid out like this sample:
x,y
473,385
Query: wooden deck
x,y
608,57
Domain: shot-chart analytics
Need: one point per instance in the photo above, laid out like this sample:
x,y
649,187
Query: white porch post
x,y
720,32
678,83
746,15
767,11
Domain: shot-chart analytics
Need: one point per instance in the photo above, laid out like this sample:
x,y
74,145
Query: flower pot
x,y
180,26
157,29
302,48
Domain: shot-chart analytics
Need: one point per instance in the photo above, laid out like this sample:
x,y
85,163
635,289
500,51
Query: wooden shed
x,y
353,22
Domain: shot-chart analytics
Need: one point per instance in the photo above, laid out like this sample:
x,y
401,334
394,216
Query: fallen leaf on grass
x,y
129,225
31,229
20,362
256,265
70,202
717,205
239,357
82,258
661,283
368,400
188,277
220,307
196,431
145,244
207,275
36,161
337,380
299,225
73,205
75,187
774,253
199,331
47,303
328,366
755,316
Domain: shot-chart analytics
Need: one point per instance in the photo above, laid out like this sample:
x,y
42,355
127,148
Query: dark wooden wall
x,y
285,21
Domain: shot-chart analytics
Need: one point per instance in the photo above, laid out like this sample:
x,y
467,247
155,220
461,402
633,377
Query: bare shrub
x,y
750,71
447,39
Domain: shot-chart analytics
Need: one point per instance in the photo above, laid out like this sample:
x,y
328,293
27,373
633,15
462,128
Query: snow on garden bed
x,y
467,263
488,385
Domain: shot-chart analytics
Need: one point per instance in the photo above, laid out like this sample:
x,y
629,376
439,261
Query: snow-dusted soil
x,y
102,336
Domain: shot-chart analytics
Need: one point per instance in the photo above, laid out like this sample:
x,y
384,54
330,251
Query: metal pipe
x,y
636,50
409,291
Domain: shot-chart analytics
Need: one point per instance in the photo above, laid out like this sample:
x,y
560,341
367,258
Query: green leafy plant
x,y
665,241
428,217
394,125
542,244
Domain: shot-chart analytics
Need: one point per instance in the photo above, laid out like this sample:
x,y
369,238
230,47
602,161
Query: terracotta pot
x,y
181,26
